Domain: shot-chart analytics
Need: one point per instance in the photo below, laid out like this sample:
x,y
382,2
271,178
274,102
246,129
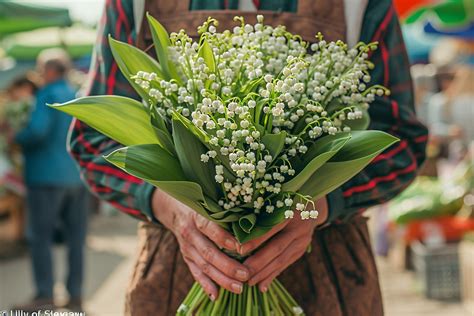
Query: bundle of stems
x,y
276,301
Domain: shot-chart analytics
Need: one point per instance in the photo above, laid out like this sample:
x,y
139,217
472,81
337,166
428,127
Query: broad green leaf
x,y
162,173
125,120
131,60
205,51
212,205
364,144
243,237
161,131
259,111
189,150
165,139
162,42
320,152
227,216
358,152
238,232
271,219
148,161
188,193
247,222
274,143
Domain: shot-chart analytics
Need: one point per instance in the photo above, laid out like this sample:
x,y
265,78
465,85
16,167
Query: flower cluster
x,y
262,81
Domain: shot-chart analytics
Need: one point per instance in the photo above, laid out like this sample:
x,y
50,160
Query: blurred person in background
x,y
451,110
19,97
54,189
21,94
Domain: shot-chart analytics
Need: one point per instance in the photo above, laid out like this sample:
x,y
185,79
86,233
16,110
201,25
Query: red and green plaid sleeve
x,y
387,176
393,170
87,146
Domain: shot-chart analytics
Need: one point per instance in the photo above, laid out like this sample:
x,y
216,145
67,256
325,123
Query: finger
x,y
217,234
273,249
207,285
215,257
216,275
250,246
294,251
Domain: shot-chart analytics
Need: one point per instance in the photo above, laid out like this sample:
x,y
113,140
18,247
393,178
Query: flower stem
x,y
251,302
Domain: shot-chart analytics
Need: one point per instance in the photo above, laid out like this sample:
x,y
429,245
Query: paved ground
x,y
110,253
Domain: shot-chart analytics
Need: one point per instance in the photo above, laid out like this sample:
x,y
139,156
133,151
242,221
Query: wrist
x,y
161,209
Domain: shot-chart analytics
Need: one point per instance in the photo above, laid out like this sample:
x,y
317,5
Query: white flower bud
x,y
304,215
300,206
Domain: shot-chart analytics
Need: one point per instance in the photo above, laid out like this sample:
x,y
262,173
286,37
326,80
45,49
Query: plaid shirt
x,y
384,178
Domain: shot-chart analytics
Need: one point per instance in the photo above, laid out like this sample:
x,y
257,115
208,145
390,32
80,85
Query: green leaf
x,y
162,42
358,152
131,60
247,222
259,111
271,219
189,150
274,143
157,167
243,237
251,86
148,161
125,120
188,193
161,131
320,152
205,51
228,216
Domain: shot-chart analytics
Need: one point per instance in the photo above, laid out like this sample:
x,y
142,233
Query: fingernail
x,y
242,275
230,244
212,297
264,289
236,287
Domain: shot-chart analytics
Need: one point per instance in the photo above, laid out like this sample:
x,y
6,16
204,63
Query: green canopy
x,y
20,17
77,40
446,14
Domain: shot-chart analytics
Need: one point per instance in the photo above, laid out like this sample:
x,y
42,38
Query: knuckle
x,y
185,231
208,253
201,222
206,268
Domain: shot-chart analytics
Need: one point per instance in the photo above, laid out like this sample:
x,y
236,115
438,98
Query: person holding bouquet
x,y
177,246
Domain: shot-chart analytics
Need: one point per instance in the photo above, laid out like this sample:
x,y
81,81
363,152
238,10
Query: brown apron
x,y
338,277
312,16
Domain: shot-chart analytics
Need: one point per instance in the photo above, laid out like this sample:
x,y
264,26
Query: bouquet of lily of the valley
x,y
246,126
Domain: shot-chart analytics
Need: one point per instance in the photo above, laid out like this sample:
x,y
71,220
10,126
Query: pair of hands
x,y
201,241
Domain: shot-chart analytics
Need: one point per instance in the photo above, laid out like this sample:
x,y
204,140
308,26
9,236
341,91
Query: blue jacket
x,y
43,140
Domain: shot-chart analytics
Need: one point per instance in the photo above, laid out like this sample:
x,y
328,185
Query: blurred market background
x,y
424,239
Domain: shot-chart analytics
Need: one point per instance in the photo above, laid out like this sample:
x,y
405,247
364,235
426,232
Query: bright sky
x,y
88,11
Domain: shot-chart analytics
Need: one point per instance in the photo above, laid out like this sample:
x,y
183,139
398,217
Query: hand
x,y
285,247
199,240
